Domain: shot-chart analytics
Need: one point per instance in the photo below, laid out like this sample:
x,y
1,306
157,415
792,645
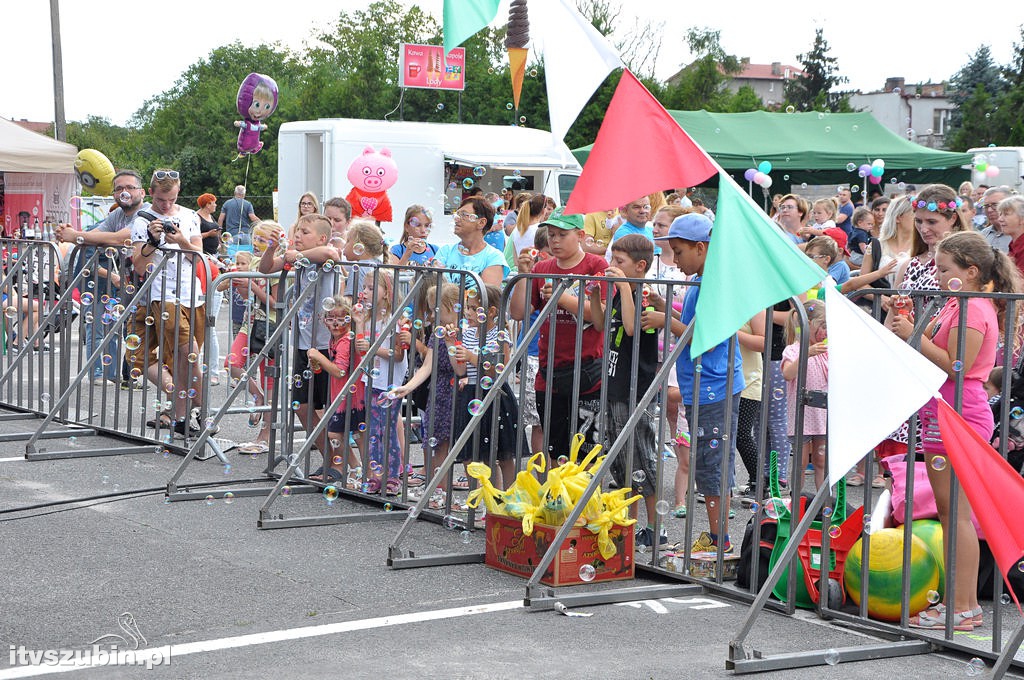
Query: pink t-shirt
x,y
981,316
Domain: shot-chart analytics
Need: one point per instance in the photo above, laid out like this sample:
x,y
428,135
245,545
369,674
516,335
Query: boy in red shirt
x,y
565,234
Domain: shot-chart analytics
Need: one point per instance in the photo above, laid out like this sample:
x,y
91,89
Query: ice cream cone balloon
x,y
516,38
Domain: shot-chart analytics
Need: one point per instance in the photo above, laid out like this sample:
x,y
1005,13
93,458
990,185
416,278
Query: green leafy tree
x,y
702,84
976,125
744,100
979,71
814,90
1009,114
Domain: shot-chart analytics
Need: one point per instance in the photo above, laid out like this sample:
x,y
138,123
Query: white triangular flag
x,y
875,382
577,59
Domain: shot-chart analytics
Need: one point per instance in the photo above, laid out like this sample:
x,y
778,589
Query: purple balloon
x,y
864,170
749,174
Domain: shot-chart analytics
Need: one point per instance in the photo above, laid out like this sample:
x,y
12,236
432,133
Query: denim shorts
x,y
708,446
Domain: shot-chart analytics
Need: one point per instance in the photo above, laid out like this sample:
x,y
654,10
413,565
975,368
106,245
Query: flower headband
x,y
939,206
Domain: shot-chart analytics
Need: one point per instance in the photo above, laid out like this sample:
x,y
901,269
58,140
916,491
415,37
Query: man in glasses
x,y
112,232
233,212
174,325
992,232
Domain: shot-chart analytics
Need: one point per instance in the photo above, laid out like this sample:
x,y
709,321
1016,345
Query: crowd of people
x,y
613,331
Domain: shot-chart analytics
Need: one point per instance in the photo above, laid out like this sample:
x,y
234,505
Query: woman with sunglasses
x,y
472,252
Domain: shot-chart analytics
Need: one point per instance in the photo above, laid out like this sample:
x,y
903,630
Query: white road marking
x,y
188,648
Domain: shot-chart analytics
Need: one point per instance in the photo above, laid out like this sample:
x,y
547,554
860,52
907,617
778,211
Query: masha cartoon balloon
x,y
257,99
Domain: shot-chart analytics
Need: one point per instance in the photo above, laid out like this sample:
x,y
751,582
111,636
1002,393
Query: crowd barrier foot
x,y
398,559
280,522
43,454
175,495
56,433
741,662
543,598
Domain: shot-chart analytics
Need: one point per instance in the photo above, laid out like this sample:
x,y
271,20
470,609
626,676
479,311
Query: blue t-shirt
x,y
714,363
236,212
398,251
860,237
496,239
847,224
451,257
630,228
840,271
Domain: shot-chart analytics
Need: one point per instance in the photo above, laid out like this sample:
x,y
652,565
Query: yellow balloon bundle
x,y
551,502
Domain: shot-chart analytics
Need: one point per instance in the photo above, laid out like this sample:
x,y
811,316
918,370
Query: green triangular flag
x,y
463,18
751,265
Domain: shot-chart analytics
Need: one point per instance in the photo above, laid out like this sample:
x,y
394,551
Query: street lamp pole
x,y
59,124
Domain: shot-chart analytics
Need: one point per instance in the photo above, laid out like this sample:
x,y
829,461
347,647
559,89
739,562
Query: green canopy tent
x,y
813,148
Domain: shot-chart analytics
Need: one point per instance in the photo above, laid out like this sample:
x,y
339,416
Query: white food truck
x,y
437,162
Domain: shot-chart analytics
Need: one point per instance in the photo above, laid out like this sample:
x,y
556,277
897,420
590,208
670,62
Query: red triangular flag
x,y
995,490
639,149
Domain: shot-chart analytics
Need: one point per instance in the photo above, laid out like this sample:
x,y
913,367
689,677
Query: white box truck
x,y
434,162
1009,160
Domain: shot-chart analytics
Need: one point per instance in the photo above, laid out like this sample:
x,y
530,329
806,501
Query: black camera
x,y
169,227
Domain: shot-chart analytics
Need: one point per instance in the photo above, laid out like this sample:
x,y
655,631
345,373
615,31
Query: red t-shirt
x,y
565,336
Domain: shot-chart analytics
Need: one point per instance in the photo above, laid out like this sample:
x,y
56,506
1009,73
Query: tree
x,y
1009,115
702,84
980,70
813,91
976,125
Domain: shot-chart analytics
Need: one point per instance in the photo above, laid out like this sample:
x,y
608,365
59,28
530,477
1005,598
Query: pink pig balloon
x,y
371,175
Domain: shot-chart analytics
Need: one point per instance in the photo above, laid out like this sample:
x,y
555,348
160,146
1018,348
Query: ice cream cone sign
x,y
516,39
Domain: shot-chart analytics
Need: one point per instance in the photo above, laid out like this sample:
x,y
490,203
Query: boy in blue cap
x,y
689,238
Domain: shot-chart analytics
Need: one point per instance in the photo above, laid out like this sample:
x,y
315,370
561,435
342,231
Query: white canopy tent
x,y
22,150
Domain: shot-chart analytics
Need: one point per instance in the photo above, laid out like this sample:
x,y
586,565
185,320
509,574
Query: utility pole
x,y
59,124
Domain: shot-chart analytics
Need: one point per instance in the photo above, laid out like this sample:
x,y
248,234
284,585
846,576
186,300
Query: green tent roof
x,y
810,142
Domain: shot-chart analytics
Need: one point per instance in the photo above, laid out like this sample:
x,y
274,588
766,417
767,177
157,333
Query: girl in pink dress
x,y
815,419
964,262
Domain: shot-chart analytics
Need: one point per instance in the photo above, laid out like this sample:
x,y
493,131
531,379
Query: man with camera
x,y
168,244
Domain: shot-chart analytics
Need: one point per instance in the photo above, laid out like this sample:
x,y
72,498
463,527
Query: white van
x,y
1009,160
434,162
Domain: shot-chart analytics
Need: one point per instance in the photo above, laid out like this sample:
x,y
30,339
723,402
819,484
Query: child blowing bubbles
x,y
630,257
964,262
817,379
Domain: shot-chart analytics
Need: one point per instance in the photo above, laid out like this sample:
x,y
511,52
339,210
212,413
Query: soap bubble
x,y
440,106
588,573
466,537
639,476
958,366
955,284
933,596
939,463
562,460
778,394
850,167
773,507
209,499
831,657
229,498
330,493
835,531
475,406
790,109
662,507
975,666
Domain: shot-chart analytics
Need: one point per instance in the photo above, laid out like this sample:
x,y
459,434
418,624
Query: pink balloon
x,y
991,171
874,179
759,178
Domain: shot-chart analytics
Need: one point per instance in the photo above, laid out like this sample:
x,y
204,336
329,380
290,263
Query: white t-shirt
x,y
523,241
171,284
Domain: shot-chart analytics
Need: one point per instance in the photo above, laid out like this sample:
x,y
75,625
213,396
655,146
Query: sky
x,y
115,60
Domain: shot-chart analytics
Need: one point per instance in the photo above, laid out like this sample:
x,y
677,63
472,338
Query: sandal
x,y
855,479
253,448
962,621
416,479
393,486
372,486
462,483
165,422
437,499
257,417
355,477
680,511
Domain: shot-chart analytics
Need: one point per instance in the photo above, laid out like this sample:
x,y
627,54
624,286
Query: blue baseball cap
x,y
691,227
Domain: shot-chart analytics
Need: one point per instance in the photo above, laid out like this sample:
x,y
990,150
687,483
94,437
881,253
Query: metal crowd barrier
x,y
119,368
904,640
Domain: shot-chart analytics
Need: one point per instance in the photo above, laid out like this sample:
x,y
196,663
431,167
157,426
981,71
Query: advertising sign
x,y
426,66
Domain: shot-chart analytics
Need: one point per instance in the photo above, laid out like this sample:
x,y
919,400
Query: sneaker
x,y
705,544
102,381
700,497
645,538
878,482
